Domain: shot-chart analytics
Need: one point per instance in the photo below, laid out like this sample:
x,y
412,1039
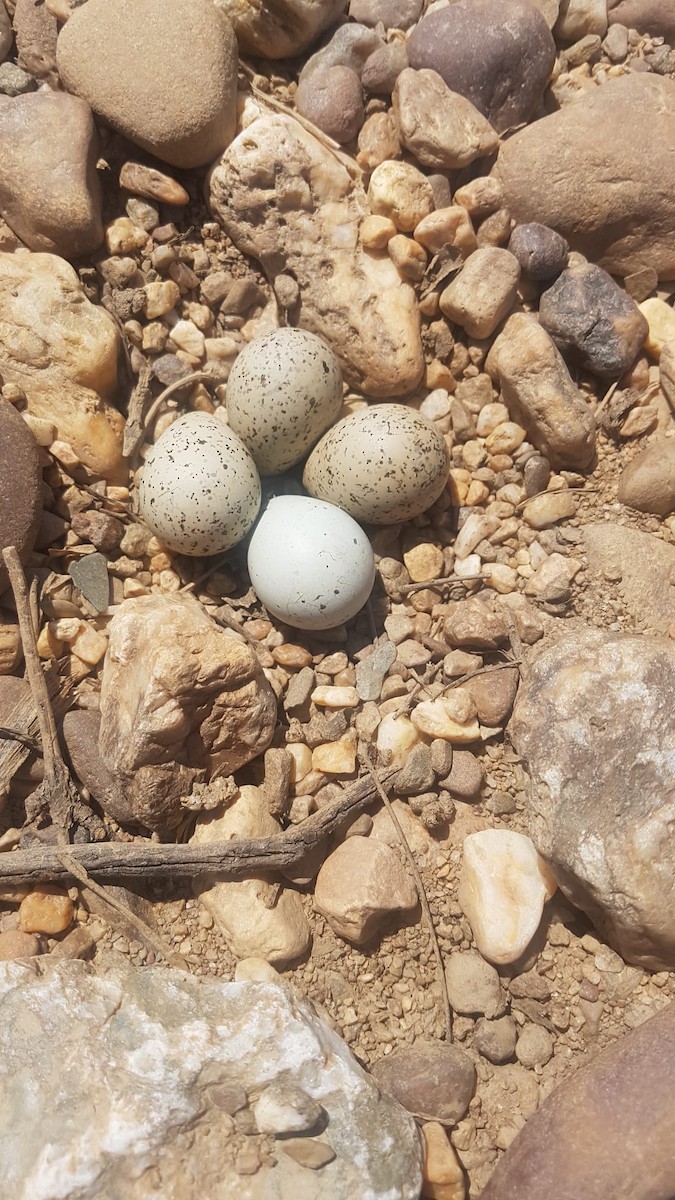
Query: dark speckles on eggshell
x,y
382,464
283,392
199,490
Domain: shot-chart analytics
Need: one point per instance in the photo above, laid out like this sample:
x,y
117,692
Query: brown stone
x,y
441,128
580,1144
47,909
647,483
15,944
333,101
472,623
493,693
607,200
152,184
20,486
360,885
430,1079
466,776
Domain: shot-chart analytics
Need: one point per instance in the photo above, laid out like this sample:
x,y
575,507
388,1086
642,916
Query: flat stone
x,y
497,53
91,1031
537,387
466,776
417,775
493,693
593,725
371,671
46,909
80,733
36,33
363,311
168,82
483,292
593,321
430,1078
607,201
20,486
439,126
638,567
50,194
15,944
361,885
152,184
496,1040
473,623
90,574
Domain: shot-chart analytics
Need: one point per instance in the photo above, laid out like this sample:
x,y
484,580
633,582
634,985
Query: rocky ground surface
x,y
481,228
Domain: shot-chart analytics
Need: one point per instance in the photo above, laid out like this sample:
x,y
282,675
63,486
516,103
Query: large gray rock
x,y
593,722
163,74
609,1130
611,200
122,1085
50,194
497,53
283,197
593,321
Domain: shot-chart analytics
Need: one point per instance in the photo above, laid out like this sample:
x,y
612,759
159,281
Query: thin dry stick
x,y
57,790
178,386
146,935
420,892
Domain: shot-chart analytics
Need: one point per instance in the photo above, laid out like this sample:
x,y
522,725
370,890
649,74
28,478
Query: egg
x,y
199,490
283,391
383,464
310,563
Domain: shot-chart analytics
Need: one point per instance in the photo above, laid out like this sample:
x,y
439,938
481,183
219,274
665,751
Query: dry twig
x,y
57,792
420,892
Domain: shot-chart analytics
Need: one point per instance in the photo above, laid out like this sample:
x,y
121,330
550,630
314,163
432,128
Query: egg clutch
x,y
310,562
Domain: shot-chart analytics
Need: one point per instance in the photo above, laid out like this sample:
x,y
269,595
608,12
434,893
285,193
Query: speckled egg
x,y
382,464
310,563
200,490
284,390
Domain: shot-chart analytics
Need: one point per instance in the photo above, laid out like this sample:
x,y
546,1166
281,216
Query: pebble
x,y
383,67
593,321
396,735
14,81
493,694
393,14
497,53
483,292
466,776
503,887
442,718
543,511
333,101
360,885
417,776
429,1078
496,1040
152,184
50,136
579,18
335,758
439,127
308,1152
20,486
335,697
399,191
286,1108
116,53
442,1172
473,985
472,623
371,671
90,575
47,909
541,252
15,944
660,319
534,1047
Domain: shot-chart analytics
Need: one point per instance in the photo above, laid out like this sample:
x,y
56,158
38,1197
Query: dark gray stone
x,y
430,1078
20,486
541,252
536,474
90,575
593,321
383,68
417,775
497,53
333,101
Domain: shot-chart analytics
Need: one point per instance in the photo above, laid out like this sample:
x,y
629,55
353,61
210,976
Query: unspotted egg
x,y
383,464
283,391
310,563
199,490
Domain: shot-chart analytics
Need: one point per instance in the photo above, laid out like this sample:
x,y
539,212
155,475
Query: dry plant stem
x,y
57,789
420,892
146,935
112,861
173,388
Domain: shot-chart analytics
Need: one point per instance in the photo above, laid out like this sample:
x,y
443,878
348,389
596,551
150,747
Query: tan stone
x,y
503,886
423,562
47,909
152,184
481,197
15,944
376,232
448,718
606,201
540,394
361,309
399,191
302,761
180,701
483,292
281,29
62,350
11,650
408,257
291,657
377,141
647,483
550,508
447,227
439,127
161,297
396,735
361,884
335,697
505,438
443,1178
255,922
50,194
661,320
336,758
